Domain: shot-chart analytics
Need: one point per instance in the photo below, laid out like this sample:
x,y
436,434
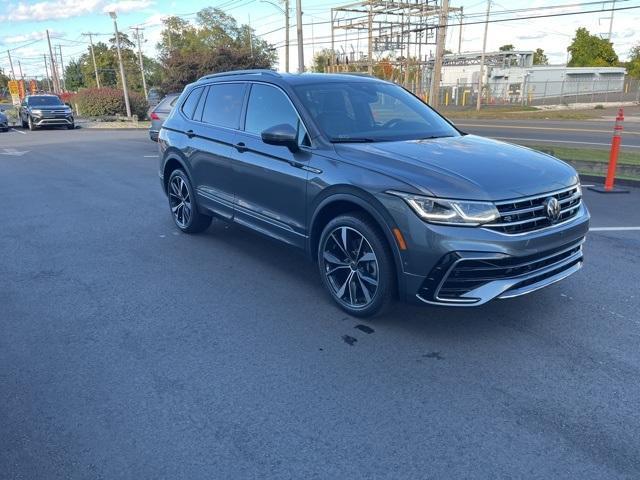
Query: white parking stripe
x,y
151,156
18,131
613,229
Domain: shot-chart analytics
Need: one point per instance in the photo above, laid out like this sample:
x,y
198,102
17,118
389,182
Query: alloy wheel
x,y
180,201
351,267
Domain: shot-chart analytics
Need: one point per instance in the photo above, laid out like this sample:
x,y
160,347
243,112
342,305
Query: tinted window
x,y
367,111
224,105
190,103
168,102
268,107
39,101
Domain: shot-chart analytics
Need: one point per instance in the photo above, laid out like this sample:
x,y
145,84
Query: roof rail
x,y
255,71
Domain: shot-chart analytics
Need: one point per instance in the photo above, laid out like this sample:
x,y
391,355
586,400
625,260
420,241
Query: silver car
x,y
159,113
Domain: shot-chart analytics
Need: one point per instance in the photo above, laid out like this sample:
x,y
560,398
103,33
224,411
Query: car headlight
x,y
450,212
36,112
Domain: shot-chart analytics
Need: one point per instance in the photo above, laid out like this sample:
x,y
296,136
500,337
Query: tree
x,y
539,58
215,43
591,51
507,48
633,65
4,80
321,60
73,76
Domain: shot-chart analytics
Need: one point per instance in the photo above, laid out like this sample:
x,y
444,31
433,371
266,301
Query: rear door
x,y
271,181
213,134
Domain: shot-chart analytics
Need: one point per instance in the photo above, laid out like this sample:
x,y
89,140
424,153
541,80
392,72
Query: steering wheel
x,y
392,123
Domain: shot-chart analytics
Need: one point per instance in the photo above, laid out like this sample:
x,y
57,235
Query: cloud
x,y
127,6
532,36
38,11
25,37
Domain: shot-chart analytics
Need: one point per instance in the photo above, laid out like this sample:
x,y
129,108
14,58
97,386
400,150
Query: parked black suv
x,y
385,194
45,110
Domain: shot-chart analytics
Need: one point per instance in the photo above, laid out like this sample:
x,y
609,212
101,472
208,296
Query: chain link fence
x,y
537,94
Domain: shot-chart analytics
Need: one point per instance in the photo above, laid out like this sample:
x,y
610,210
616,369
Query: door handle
x,y
241,147
190,133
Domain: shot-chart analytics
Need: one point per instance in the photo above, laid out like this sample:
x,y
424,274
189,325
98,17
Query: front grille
x,y
528,214
467,275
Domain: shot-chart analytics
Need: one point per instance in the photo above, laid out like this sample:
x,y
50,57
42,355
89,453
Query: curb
x,y
627,182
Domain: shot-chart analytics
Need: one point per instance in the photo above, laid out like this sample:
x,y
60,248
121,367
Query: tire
x,y
358,274
71,127
182,204
30,124
24,124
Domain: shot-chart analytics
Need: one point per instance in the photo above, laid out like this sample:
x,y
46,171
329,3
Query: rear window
x,y
224,105
190,103
167,103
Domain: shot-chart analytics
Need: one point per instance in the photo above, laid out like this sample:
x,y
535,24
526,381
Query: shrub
x,y
99,102
599,107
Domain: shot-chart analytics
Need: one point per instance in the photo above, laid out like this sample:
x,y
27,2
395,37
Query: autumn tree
x,y
588,50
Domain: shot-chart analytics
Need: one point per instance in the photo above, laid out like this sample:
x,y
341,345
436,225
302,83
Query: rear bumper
x,y
153,135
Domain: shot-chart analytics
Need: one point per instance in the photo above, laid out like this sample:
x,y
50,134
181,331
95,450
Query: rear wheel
x,y
356,265
182,203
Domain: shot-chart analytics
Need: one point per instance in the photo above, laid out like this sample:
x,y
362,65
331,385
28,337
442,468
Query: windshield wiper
x,y
435,136
352,140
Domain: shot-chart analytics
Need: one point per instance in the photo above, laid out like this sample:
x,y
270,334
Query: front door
x,y
270,180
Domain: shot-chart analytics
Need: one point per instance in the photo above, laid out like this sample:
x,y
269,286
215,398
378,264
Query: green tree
x,y
633,65
591,51
215,43
73,76
507,48
539,58
4,80
321,60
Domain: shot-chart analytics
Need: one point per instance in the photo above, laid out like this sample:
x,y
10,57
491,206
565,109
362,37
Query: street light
x,y
284,10
122,75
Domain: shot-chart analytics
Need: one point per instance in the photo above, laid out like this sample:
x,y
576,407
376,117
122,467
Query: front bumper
x,y
466,266
53,120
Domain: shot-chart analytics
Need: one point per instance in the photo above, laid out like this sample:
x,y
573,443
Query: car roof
x,y
43,95
291,78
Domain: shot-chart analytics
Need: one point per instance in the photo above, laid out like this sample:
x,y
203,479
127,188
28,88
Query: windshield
x,y
371,112
40,101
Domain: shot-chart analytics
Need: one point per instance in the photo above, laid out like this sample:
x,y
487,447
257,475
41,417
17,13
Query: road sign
x,y
13,87
33,87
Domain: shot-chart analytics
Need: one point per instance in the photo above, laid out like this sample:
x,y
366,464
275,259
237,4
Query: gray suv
x,y
388,197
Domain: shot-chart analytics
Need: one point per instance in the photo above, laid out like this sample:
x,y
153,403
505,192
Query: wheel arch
x,y
343,199
173,160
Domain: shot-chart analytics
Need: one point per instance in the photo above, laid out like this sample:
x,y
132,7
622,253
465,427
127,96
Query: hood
x,y
49,107
465,167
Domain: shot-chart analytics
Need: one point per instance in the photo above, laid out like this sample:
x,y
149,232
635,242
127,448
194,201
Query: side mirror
x,y
283,134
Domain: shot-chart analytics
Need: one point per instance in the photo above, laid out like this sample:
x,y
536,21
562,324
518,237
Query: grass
x,y
522,113
587,154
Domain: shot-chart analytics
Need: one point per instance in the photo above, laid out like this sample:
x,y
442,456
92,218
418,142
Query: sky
x,y
23,25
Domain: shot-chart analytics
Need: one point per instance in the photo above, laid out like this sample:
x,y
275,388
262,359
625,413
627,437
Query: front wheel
x,y
356,265
71,127
183,207
32,126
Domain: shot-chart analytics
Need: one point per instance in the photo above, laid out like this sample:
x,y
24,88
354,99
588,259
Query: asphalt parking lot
x,y
130,350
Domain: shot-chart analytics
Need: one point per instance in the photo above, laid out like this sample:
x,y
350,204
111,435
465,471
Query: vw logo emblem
x,y
552,209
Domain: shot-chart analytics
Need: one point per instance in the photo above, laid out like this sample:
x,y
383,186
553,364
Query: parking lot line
x,y
151,156
18,131
613,229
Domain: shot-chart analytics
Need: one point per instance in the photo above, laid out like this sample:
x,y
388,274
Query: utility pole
x,y
613,6
286,36
122,75
484,50
299,34
20,70
13,74
93,57
434,94
460,31
62,72
144,80
56,83
370,40
46,71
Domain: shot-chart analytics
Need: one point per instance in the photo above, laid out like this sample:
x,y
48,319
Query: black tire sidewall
x,y
386,275
198,222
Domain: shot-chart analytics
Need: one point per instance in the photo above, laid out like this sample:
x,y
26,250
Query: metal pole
x,y
20,70
484,48
54,72
299,35
122,75
13,74
333,47
93,57
286,36
64,82
46,70
434,94
613,7
144,81
460,31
